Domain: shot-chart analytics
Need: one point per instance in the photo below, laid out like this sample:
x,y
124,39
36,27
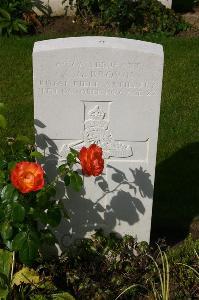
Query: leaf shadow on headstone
x,y
48,149
142,182
176,194
85,215
49,164
123,206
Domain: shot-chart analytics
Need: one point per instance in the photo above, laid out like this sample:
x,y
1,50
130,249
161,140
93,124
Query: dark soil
x,y
69,25
63,25
193,19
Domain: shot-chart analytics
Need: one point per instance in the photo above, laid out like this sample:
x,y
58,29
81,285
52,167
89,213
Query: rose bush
x,y
27,197
25,200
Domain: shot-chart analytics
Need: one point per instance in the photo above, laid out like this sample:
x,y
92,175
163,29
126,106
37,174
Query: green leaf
x,y
23,27
38,297
4,24
22,237
2,105
76,181
3,287
33,235
48,237
15,25
71,159
54,216
20,142
3,164
50,190
74,152
40,216
23,138
27,243
62,296
6,260
6,231
4,281
2,177
67,180
18,212
19,241
9,29
5,14
9,194
11,165
29,253
2,213
27,276
62,168
3,122
36,154
42,199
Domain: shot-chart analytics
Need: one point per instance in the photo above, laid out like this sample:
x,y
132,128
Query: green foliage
x,y
71,178
164,277
142,16
107,267
27,276
26,283
185,252
20,213
9,24
3,122
33,286
62,296
103,267
6,261
13,15
185,267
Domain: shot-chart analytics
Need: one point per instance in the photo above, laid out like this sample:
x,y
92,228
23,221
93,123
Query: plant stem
x,y
13,265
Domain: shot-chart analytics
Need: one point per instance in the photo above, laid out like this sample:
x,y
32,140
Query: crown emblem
x,y
96,113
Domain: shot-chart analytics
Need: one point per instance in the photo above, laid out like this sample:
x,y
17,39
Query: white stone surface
x,y
58,8
167,3
101,90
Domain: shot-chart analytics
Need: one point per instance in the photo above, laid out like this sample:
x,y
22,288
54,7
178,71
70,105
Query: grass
x,y
176,186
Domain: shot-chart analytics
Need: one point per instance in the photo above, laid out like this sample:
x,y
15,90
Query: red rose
x,y
27,177
91,160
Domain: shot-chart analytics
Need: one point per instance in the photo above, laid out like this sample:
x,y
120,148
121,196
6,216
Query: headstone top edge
x,y
98,42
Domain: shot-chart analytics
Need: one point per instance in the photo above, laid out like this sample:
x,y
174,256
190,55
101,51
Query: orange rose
x,y
91,160
27,177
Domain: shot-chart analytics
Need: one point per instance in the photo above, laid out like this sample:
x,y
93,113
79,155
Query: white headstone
x,y
167,3
107,91
58,8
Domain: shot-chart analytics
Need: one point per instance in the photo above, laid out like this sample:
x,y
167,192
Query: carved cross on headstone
x,y
97,130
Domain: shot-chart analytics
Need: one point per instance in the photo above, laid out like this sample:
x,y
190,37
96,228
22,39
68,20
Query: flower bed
x,y
102,267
